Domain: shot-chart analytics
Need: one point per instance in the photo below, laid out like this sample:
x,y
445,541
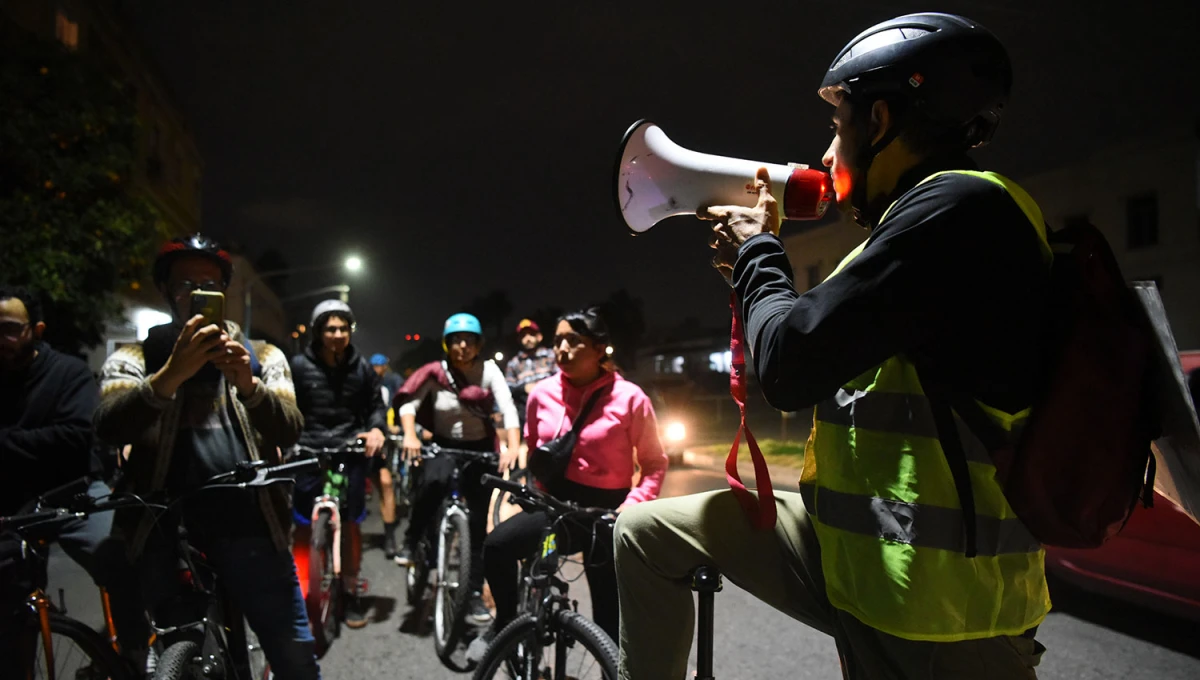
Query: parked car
x,y
1153,562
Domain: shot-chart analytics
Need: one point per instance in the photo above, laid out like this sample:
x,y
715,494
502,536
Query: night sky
x,y
467,147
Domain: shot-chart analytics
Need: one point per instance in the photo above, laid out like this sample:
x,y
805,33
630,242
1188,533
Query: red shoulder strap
x,y
761,510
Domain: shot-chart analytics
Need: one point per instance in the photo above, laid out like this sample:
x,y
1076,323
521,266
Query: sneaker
x,y
477,612
355,611
404,557
479,645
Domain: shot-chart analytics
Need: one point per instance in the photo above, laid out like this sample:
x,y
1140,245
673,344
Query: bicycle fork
x,y
707,582
41,605
109,626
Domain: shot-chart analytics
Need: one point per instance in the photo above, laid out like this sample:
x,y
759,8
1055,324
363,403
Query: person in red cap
x,y
531,365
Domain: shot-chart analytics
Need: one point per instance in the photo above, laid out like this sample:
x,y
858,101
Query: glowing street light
x,y
499,356
352,264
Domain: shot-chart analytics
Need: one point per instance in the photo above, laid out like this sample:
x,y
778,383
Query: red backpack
x,y
1083,460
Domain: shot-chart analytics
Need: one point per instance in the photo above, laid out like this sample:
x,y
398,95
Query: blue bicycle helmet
x,y
461,323
378,359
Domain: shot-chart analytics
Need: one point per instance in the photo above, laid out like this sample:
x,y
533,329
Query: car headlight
x,y
676,432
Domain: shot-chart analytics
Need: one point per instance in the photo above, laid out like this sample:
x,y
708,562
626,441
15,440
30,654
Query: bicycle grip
x,y
492,481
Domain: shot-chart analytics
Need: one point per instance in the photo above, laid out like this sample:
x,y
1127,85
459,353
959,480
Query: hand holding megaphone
x,y
735,224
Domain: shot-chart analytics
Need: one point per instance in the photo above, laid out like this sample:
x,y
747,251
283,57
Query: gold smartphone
x,y
211,306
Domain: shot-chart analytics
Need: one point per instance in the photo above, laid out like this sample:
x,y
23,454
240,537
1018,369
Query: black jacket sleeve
x,y
377,408
61,445
944,254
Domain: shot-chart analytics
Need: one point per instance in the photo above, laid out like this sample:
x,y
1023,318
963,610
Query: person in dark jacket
x,y
342,400
47,400
195,400
46,404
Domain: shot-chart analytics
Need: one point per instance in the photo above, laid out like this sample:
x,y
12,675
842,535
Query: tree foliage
x,y
70,227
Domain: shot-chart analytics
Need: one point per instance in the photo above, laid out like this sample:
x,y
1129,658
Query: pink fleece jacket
x,y
620,424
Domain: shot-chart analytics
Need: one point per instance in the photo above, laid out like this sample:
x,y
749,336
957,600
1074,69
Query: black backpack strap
x,y
587,407
940,400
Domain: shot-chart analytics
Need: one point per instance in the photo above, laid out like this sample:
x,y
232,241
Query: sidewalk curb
x,y
781,476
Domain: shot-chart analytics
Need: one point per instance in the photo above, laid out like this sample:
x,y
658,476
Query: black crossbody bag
x,y
548,462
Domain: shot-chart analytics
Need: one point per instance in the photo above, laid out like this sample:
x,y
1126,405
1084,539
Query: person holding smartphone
x,y
194,400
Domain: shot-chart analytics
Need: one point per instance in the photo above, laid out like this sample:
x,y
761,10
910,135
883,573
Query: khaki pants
x,y
658,544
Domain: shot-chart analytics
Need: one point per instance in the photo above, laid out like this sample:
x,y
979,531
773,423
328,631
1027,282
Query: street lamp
x,y
352,264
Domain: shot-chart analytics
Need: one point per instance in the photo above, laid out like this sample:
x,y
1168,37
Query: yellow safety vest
x,y
887,514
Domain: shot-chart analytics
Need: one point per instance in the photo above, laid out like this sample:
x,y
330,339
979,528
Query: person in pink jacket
x,y
619,428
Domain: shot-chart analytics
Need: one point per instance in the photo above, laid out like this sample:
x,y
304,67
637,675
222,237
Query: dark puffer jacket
x,y
338,402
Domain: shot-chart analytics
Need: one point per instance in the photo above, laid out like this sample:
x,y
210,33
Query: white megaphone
x,y
656,179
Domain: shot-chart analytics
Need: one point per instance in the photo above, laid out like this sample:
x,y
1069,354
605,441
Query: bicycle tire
x,y
566,626
402,486
448,622
520,476
323,601
104,661
175,660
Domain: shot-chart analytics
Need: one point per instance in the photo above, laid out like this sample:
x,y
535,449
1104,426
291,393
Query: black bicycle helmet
x,y
196,244
950,69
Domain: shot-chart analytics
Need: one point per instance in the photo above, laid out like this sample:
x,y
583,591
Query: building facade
x,y
169,169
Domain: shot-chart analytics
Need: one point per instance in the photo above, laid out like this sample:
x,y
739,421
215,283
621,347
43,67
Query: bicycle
x,y
549,619
445,551
210,639
324,597
70,649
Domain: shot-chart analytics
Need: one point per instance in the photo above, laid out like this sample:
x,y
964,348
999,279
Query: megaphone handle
x,y
761,510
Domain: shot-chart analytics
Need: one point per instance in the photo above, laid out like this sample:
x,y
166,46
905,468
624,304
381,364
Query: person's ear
x,y
38,329
881,120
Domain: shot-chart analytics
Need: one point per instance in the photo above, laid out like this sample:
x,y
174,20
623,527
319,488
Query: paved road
x,y
1087,637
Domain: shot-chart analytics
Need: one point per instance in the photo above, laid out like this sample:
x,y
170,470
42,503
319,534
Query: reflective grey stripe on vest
x,y
897,413
923,526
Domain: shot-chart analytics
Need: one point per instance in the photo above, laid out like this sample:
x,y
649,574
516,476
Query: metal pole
x,y
707,582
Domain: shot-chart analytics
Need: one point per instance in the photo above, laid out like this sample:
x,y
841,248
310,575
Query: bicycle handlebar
x,y
357,447
543,500
257,474
252,474
434,450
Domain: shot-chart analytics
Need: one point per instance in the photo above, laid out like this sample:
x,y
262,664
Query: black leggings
x,y
520,536
433,485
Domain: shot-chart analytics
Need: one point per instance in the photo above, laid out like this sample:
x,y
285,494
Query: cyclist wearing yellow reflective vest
x,y
943,296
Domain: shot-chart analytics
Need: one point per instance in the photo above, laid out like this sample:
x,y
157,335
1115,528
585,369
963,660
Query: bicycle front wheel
x,y
78,651
574,647
453,588
178,662
324,587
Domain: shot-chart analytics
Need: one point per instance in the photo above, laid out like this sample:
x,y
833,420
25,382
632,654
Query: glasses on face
x,y
186,287
572,339
13,330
